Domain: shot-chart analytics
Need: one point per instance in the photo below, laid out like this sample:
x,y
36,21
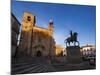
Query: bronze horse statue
x,y
72,39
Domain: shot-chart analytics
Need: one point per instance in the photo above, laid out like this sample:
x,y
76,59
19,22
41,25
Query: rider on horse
x,y
72,38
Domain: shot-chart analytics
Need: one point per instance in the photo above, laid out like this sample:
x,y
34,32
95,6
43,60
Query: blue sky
x,y
66,17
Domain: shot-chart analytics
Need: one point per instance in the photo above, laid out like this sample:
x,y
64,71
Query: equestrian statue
x,y
72,39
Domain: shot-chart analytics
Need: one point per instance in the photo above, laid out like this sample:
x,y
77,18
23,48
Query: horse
x,y
72,38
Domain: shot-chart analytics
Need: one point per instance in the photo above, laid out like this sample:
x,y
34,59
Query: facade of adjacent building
x,y
34,40
15,30
88,50
59,50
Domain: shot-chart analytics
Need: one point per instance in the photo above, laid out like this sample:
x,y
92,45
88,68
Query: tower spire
x,y
51,21
51,26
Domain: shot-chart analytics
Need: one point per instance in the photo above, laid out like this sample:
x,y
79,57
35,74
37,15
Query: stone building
x,y
59,50
34,40
88,50
15,30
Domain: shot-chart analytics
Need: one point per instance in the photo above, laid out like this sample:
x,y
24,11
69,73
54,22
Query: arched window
x,y
28,18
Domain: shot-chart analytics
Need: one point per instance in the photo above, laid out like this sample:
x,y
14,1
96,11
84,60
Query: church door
x,y
38,54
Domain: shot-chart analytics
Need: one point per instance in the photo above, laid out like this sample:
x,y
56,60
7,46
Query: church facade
x,y
34,40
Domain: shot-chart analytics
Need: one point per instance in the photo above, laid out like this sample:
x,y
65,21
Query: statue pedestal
x,y
73,54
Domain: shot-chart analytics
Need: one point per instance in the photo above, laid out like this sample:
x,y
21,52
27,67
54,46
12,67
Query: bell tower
x,y
28,22
51,26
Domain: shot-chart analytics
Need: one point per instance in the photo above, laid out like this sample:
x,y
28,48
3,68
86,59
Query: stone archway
x,y
38,50
38,53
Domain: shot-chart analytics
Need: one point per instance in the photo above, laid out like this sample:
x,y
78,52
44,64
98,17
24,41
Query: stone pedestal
x,y
73,54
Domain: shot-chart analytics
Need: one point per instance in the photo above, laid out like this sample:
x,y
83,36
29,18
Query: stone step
x,y
19,64
20,61
27,70
37,69
40,69
15,69
36,65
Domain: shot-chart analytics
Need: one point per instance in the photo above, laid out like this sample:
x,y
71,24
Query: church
x,y
36,41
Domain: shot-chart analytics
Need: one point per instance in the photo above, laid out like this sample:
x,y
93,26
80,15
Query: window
x,y
29,18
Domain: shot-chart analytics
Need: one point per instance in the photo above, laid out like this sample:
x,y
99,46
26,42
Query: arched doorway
x,y
38,53
38,50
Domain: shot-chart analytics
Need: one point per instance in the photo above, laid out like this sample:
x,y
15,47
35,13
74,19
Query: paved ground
x,y
41,65
72,67
36,65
